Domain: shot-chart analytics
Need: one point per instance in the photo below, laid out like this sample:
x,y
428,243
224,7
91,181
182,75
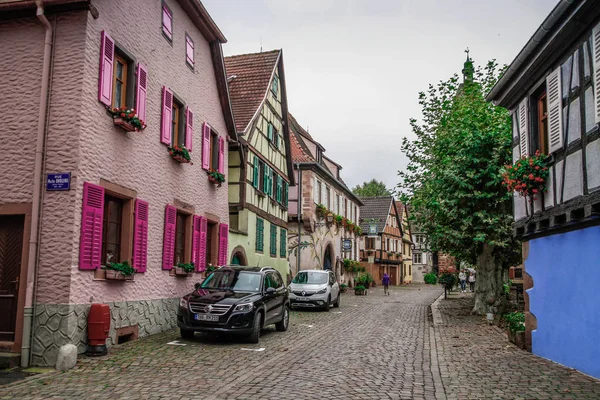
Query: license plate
x,y
302,299
202,317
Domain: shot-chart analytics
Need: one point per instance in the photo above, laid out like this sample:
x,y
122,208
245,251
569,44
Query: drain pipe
x,y
299,215
37,189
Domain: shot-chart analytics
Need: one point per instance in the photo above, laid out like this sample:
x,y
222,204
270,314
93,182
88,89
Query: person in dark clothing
x,y
386,283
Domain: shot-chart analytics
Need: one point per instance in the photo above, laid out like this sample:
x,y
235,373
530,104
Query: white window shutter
x,y
596,73
524,128
554,98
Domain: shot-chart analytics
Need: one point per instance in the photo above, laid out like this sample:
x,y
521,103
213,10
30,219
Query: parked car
x,y
236,299
314,289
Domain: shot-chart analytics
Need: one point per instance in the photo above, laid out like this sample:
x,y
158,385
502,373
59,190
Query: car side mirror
x,y
197,285
270,290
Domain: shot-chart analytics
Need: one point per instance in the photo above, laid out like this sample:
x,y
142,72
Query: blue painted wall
x,y
565,298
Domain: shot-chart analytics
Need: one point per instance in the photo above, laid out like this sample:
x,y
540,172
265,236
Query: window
x,y
410,269
256,173
355,214
273,244
275,85
279,196
328,200
345,209
283,244
417,258
337,203
120,82
189,51
260,237
214,151
274,184
180,225
211,235
540,130
177,132
111,230
167,22
370,243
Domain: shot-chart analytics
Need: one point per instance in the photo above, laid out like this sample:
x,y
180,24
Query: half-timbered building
x,y
551,89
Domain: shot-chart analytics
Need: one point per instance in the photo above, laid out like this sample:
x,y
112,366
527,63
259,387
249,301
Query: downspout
x,y
299,216
37,190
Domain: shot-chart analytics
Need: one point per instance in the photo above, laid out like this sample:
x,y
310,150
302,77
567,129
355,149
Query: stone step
x,y
10,360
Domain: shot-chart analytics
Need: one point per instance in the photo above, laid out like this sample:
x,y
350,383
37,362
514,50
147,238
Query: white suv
x,y
314,289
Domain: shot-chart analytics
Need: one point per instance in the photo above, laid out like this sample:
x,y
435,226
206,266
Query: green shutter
x,y
273,241
260,226
266,179
279,188
283,244
270,132
276,140
255,176
286,194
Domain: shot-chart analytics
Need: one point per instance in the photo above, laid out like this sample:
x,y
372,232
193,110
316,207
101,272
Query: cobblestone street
x,y
372,347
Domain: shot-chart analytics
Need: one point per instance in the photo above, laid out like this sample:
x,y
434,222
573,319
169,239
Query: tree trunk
x,y
488,283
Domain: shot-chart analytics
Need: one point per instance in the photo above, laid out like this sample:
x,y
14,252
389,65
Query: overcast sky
x,y
354,67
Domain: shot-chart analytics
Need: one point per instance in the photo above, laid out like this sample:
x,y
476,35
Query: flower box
x,y
360,292
113,275
180,154
180,159
181,272
126,126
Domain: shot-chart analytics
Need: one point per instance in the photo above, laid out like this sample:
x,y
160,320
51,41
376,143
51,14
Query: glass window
x,y
240,281
311,277
178,255
120,82
275,85
111,231
214,151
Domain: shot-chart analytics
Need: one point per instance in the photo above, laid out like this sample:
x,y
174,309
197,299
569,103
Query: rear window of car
x,y
239,281
311,277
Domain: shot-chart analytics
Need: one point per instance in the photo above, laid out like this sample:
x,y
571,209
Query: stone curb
x,y
435,312
434,338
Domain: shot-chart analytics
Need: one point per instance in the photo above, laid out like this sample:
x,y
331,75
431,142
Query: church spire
x,y
468,69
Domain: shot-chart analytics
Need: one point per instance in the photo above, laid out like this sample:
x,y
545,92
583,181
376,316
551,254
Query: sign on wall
x,y
347,245
58,181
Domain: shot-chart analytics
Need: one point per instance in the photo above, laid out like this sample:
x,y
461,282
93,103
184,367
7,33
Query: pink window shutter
x,y
205,146
196,240
167,22
142,90
167,112
140,236
201,266
223,242
105,80
189,51
189,128
221,155
169,239
90,244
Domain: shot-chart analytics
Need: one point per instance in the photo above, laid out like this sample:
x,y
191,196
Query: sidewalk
x,y
477,361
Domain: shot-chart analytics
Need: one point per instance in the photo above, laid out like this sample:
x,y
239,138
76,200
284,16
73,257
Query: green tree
x,y
371,189
453,180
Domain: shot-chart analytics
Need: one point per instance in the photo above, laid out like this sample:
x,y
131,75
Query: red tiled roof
x,y
299,152
248,88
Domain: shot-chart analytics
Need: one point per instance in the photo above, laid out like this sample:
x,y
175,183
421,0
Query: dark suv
x,y
235,299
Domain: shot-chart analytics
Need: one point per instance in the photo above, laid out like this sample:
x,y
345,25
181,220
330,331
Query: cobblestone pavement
x,y
372,347
478,362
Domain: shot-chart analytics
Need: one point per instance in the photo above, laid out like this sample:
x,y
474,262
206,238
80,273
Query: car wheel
x,y
336,304
186,333
326,306
256,326
282,325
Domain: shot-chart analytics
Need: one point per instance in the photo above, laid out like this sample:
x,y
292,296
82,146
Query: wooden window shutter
x,y
283,243
205,146
189,128
201,265
279,188
255,173
167,22
196,240
267,175
596,72
189,50
167,116
169,238
105,80
141,92
221,155
273,243
140,236
270,131
554,98
286,194
524,128
223,242
259,234
90,244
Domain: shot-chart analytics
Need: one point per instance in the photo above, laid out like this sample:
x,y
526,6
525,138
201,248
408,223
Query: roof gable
x,y
377,208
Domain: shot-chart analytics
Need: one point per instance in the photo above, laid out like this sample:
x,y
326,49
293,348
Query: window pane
x,y
118,94
119,70
111,230
179,239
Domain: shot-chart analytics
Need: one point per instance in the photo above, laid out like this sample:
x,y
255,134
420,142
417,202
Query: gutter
x,y
37,190
555,15
299,216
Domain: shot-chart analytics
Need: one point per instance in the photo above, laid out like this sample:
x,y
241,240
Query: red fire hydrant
x,y
98,329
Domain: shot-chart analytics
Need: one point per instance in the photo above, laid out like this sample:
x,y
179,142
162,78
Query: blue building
x,y
551,89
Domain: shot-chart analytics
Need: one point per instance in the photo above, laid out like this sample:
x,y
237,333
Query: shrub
x,y
359,287
448,280
430,279
515,321
343,286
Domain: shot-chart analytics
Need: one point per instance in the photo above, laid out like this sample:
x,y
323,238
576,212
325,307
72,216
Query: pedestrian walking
x,y
472,281
462,277
385,281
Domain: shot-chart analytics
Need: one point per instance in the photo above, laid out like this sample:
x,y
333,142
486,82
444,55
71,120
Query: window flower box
x,y
527,176
216,178
127,119
180,154
119,271
360,290
183,269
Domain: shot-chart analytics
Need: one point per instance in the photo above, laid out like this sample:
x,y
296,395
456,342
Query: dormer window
x,y
275,86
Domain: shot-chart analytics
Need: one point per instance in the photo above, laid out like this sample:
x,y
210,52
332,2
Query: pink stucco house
x,y
65,64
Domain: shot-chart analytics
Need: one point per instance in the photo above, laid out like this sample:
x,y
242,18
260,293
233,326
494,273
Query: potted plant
x,y
516,328
338,219
184,269
180,154
527,176
344,222
350,226
216,177
119,271
360,290
321,210
127,119
343,287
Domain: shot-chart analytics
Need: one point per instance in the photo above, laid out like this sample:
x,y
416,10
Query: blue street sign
x,y
58,181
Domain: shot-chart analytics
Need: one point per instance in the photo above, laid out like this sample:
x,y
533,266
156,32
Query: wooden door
x,y
11,248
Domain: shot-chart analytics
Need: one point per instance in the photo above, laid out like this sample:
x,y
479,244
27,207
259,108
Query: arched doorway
x,y
328,258
238,256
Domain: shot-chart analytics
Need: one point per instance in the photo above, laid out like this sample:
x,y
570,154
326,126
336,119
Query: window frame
x,y
108,199
119,59
164,6
188,40
419,256
539,131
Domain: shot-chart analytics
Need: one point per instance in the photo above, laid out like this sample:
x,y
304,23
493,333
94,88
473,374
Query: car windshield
x,y
310,278
229,279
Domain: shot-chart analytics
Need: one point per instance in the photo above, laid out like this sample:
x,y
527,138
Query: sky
x,y
354,68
